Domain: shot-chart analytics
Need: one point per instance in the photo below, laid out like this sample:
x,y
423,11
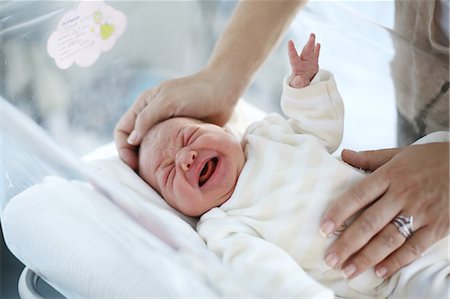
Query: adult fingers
x,y
386,242
383,244
351,201
127,152
152,114
125,136
369,160
361,231
147,113
413,248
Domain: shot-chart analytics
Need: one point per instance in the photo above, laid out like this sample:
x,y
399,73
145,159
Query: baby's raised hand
x,y
306,65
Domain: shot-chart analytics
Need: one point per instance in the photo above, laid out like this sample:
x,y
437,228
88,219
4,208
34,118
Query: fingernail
x,y
331,260
349,270
381,272
132,138
327,228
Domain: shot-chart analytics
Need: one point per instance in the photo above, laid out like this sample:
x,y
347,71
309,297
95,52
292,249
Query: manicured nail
x,y
331,260
349,270
381,272
327,228
132,138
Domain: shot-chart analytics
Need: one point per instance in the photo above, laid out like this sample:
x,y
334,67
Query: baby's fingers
x,y
292,52
317,51
309,48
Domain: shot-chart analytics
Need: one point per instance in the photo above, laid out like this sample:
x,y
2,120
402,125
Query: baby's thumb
x,y
298,81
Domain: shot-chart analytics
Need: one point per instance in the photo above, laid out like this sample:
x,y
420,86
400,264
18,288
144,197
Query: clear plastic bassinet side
x,y
28,154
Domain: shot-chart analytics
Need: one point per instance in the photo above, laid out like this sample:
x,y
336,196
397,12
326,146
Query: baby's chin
x,y
206,206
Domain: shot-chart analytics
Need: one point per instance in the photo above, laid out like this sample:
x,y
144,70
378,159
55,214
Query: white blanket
x,y
80,242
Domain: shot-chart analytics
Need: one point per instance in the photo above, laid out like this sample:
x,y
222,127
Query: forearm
x,y
252,32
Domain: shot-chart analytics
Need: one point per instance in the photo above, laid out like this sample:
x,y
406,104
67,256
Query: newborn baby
x,y
193,165
261,199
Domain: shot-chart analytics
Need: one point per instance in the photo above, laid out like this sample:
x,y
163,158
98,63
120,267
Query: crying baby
x,y
193,165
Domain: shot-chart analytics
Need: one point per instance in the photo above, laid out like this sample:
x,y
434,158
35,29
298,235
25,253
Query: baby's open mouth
x,y
207,171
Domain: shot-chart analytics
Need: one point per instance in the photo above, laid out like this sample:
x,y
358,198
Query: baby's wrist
x,y
299,81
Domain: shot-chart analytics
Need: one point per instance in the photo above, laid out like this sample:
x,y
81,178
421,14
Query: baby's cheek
x,y
182,191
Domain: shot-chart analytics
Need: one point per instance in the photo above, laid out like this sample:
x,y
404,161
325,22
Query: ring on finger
x,y
404,225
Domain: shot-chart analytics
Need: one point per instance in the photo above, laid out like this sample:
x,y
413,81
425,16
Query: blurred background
x,y
79,106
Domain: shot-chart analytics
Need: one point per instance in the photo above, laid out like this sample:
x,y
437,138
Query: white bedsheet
x,y
85,246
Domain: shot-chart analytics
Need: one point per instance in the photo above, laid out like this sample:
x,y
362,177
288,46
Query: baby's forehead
x,y
174,124
164,133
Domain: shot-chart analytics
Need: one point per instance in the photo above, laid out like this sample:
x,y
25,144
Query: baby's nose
x,y
187,159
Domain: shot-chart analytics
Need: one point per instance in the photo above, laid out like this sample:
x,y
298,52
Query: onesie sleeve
x,y
266,269
316,109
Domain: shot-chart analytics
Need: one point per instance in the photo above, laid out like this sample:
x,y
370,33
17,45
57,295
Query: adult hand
x,y
253,31
195,96
410,181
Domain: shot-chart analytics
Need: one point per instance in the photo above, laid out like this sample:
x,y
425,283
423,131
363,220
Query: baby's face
x,y
193,165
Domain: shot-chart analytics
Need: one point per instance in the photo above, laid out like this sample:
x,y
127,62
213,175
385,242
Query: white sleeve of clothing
x,y
439,136
316,109
266,269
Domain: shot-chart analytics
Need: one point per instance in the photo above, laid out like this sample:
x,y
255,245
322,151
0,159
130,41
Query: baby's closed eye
x,y
169,172
189,135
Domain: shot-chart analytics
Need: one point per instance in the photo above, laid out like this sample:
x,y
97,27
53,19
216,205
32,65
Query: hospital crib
x,y
71,211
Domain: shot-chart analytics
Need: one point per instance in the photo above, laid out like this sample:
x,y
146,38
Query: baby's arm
x,y
310,97
306,65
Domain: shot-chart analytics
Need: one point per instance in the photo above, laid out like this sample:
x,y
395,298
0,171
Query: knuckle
x,y
341,248
415,250
394,263
395,172
368,223
366,157
389,240
358,195
370,154
333,212
139,104
441,227
173,106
